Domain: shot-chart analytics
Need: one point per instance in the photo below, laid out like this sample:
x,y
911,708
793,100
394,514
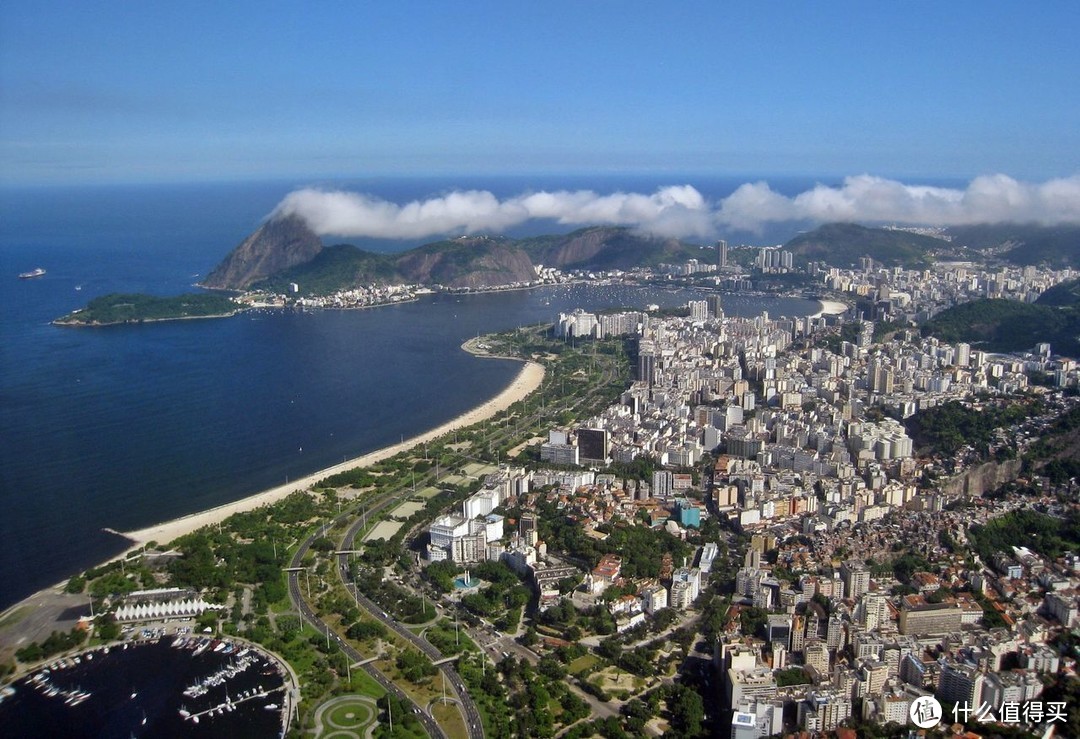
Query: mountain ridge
x,y
278,253
286,250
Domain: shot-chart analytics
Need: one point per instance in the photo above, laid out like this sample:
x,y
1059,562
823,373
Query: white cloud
x,y
682,211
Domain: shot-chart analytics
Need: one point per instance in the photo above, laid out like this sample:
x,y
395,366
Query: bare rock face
x,y
277,245
501,267
606,247
467,262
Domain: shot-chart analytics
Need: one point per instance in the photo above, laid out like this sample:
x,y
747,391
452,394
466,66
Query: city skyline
x,y
116,93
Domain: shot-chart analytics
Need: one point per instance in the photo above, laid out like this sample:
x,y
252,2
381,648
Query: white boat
x,y
36,272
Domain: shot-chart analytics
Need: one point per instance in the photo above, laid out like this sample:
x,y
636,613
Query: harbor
x,y
165,687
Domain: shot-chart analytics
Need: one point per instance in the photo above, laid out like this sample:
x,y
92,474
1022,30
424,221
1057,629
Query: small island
x,y
117,308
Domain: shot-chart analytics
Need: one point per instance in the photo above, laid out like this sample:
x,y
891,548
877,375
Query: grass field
x,y
582,663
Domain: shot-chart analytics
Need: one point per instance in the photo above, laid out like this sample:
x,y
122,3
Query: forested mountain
x,y
1023,244
1010,325
843,244
607,248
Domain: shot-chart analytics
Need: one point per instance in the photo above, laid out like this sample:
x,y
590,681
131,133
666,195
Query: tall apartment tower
x,y
647,362
721,253
716,306
856,576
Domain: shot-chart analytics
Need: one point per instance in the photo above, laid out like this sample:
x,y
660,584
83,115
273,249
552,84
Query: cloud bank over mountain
x,y
682,211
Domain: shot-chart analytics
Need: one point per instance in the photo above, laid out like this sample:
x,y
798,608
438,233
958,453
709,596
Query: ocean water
x,y
126,426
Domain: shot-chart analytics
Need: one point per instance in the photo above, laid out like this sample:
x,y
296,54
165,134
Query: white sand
x,y
830,308
526,382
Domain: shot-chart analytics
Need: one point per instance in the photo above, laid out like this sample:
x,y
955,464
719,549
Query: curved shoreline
x,y
527,380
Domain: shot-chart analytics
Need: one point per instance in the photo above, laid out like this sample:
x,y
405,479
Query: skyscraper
x,y
721,253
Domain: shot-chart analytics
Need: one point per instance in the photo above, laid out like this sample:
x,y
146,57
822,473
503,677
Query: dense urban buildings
x,y
802,435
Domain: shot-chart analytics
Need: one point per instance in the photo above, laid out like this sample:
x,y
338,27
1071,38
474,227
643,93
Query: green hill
x,y
1065,295
843,244
468,261
334,268
1009,325
1024,244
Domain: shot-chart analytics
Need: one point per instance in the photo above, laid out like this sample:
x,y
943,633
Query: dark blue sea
x,y
126,426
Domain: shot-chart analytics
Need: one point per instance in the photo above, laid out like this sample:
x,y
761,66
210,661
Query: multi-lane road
x,y
466,705
470,713
309,615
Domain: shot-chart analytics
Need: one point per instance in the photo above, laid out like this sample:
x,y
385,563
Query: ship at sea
x,y
37,272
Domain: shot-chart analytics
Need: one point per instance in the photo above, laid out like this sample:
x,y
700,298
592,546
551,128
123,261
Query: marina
x,y
162,687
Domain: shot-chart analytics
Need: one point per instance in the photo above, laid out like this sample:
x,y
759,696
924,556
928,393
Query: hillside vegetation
x,y
606,248
334,268
1009,325
1024,244
843,244
134,308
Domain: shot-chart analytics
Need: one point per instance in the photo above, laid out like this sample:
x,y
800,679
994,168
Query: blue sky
x,y
132,92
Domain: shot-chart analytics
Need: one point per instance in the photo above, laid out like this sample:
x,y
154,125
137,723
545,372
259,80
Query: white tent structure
x,y
167,609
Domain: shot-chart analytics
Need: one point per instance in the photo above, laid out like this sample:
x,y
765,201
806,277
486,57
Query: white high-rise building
x,y
963,355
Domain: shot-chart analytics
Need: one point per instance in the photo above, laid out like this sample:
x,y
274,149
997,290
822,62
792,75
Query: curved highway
x,y
433,728
465,702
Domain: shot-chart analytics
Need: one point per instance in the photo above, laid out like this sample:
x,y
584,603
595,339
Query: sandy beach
x,y
527,380
830,308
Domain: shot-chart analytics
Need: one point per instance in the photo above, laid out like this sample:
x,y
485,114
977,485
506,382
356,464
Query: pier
x,y
230,705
